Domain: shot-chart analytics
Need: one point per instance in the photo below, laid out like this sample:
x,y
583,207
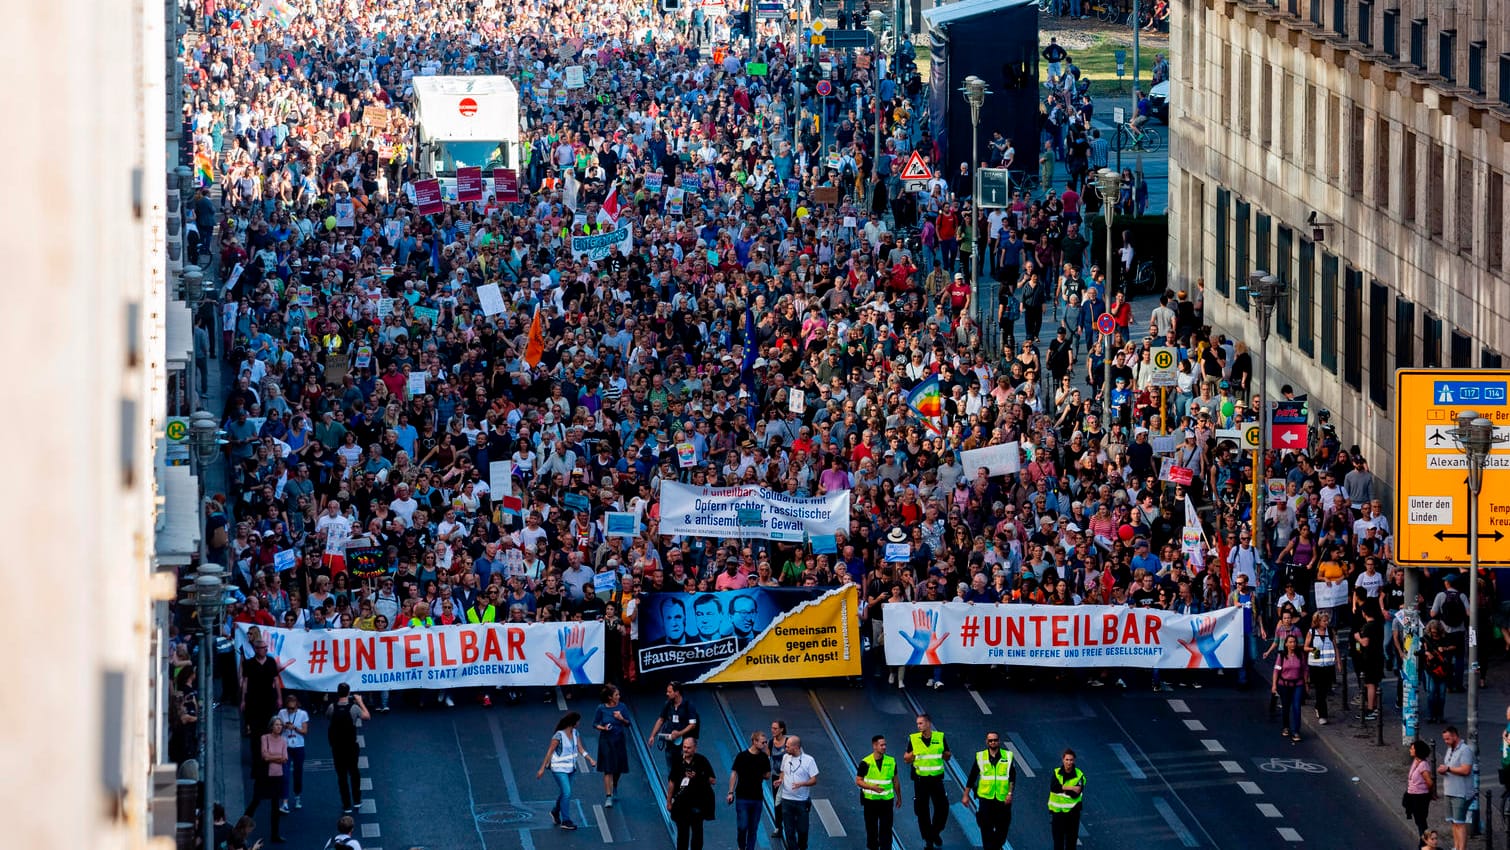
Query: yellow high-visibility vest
x,y
880,773
928,759
995,779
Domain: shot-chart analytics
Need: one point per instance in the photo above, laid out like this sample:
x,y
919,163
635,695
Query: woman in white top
x,y
561,758
295,727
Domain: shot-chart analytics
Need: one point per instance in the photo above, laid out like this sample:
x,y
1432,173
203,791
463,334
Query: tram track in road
x,y
851,763
653,776
741,741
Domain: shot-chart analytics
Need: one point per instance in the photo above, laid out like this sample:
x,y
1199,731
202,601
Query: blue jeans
x,y
794,820
747,823
1436,695
563,798
1289,698
293,773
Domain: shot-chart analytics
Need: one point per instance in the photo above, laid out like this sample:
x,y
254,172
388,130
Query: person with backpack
x,y
344,714
345,825
1451,608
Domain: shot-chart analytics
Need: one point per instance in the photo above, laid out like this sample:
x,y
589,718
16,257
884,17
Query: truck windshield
x,y
488,155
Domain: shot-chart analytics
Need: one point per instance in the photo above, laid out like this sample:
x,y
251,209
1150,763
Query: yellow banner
x,y
816,639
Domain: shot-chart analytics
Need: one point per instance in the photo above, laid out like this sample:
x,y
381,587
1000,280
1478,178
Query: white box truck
x,y
466,121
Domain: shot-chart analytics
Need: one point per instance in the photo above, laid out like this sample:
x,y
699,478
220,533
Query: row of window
x,y
1338,140
1358,22
1249,239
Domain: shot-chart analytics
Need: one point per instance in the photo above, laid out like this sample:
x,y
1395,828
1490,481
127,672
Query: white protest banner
x,y
714,512
416,383
921,633
1164,445
1330,594
674,200
576,77
346,213
501,478
491,298
797,402
460,656
1003,459
598,246
234,277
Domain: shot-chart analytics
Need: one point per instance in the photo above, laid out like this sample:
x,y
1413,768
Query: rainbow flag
x,y
927,401
204,168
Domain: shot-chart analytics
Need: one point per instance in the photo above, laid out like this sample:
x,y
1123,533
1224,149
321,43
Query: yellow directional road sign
x,y
1431,472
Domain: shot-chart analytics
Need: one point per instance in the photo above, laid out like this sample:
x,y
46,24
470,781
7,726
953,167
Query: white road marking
x,y
831,823
1127,761
368,807
597,811
767,696
467,775
371,830
1179,706
1176,825
1195,726
361,762
1021,749
980,703
366,784
1268,810
1289,834
1212,745
1232,767
1250,788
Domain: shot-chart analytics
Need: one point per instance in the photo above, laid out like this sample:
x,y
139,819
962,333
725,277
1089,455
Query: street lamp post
x,y
209,601
1266,291
975,94
1475,437
876,23
1109,185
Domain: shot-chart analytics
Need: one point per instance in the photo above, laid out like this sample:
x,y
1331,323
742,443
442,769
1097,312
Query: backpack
x,y
343,729
1454,613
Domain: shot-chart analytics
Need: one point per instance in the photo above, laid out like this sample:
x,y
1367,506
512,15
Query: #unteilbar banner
x,y
750,635
460,656
925,633
751,513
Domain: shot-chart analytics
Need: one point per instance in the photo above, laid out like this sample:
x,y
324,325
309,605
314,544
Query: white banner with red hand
x,y
460,656
930,633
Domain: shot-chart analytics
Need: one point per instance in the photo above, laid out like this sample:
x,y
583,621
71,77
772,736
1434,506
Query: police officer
x,y
926,752
880,793
1066,793
991,778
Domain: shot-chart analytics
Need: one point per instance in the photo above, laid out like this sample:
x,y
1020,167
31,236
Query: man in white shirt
x,y
799,773
1243,559
403,504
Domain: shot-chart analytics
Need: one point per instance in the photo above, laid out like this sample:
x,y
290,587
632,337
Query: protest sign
x,y
714,512
1002,459
653,181
1330,594
283,560
429,314
675,201
364,558
416,383
686,455
468,184
605,582
576,77
926,633
575,502
898,553
750,634
824,544
505,185
500,478
427,197
460,656
598,246
621,524
346,213
491,298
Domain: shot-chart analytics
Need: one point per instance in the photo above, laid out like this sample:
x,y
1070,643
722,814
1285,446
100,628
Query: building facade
x,y
95,335
1358,150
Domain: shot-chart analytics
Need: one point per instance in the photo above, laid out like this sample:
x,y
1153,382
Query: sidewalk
x,y
1381,770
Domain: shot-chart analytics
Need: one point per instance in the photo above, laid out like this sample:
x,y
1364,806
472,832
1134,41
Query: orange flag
x,y
535,348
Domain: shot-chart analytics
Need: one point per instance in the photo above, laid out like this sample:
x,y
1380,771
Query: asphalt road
x,y
1187,769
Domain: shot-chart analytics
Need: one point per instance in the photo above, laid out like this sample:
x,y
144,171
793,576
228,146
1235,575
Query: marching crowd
x,y
754,336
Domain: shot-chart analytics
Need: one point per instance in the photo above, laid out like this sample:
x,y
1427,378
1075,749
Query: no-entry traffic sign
x,y
467,106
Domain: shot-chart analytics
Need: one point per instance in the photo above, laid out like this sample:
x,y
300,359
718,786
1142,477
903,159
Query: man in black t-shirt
x,y
678,720
261,689
747,779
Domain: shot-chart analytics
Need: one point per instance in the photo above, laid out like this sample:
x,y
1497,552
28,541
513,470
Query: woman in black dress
x,y
611,720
